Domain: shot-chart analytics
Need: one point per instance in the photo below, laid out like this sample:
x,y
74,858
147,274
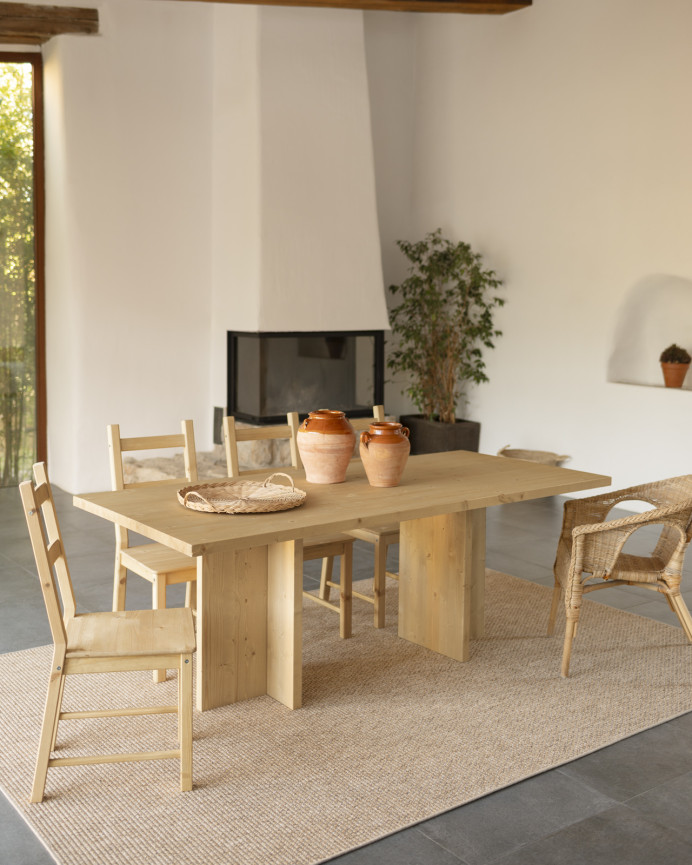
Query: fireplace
x,y
270,374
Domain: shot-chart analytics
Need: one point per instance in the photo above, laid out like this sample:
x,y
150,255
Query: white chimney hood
x,y
296,235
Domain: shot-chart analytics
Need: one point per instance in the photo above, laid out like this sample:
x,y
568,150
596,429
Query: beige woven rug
x,y
390,734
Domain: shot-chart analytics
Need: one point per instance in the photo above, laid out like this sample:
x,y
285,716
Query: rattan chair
x,y
326,548
104,642
591,548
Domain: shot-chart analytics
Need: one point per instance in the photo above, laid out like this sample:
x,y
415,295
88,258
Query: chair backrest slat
x,y
49,552
54,551
150,443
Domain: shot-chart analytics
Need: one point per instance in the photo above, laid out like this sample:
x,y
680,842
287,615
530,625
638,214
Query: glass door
x,y
22,391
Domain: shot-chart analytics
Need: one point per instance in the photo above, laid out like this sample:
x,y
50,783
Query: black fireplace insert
x,y
270,374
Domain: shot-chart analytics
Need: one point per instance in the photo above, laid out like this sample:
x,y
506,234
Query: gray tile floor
x,y
624,805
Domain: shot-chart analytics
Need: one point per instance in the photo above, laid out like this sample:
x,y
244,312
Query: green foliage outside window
x,y
17,275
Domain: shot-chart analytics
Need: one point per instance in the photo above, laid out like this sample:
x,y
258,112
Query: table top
x,y
431,484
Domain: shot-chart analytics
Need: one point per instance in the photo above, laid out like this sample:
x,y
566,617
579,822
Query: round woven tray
x,y
242,497
547,458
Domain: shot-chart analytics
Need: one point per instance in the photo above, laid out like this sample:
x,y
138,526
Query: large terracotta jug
x,y
384,449
325,442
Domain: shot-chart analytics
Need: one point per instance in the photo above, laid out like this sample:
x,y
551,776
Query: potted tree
x,y
675,361
442,323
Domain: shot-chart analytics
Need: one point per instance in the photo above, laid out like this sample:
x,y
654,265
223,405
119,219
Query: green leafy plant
x,y
675,354
443,321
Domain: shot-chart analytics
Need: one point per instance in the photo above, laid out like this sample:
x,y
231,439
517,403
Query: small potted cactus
x,y
675,361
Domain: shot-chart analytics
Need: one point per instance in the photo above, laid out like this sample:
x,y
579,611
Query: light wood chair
x,y
158,564
381,538
318,548
101,643
591,547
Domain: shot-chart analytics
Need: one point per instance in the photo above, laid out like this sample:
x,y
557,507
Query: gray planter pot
x,y
429,437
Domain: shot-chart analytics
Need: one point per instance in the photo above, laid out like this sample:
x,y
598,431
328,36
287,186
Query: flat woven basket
x,y
242,497
547,458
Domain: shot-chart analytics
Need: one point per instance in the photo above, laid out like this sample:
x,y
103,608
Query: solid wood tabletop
x,y
431,484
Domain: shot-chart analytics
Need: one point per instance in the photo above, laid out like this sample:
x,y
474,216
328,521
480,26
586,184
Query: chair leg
x,y
682,612
158,602
345,595
379,583
185,721
570,634
119,586
557,596
50,722
57,716
326,578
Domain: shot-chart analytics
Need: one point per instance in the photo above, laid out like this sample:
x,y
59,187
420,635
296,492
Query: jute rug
x,y
390,734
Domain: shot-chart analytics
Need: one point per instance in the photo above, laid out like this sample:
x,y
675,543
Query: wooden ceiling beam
x,y
468,7
26,24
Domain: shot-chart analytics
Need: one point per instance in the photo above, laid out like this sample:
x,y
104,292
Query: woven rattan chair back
x,y
101,643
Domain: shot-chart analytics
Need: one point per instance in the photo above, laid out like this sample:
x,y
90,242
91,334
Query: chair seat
x,y
149,560
389,533
131,632
639,569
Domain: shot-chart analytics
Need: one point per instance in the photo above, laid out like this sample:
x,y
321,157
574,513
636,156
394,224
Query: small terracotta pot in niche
x,y
325,442
674,373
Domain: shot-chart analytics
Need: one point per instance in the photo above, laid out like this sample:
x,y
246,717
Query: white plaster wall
x,y
390,41
128,162
556,141
237,183
321,264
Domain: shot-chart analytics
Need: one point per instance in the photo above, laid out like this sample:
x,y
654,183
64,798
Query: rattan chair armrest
x,y
674,515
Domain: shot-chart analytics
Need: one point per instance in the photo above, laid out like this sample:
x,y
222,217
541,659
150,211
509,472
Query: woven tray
x,y
547,458
242,497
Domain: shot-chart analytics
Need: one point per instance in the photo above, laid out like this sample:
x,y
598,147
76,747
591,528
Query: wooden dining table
x,y
250,566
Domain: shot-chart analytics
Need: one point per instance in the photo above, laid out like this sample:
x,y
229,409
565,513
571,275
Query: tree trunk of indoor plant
x,y
429,436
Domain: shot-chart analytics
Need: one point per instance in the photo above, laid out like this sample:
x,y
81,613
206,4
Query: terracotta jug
x,y
384,449
325,442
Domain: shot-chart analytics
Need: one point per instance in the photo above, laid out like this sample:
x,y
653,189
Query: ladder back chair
x,y
319,548
104,642
591,548
381,538
158,564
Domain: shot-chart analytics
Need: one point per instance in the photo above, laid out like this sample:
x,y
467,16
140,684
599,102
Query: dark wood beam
x,y
25,24
472,7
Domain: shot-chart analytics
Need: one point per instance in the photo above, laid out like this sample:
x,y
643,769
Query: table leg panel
x,y
285,623
477,562
231,627
440,586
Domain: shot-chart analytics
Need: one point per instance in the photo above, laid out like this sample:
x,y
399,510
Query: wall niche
x,y
656,312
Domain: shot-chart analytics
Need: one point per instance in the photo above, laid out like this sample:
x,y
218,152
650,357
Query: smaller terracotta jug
x,y
384,449
325,442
